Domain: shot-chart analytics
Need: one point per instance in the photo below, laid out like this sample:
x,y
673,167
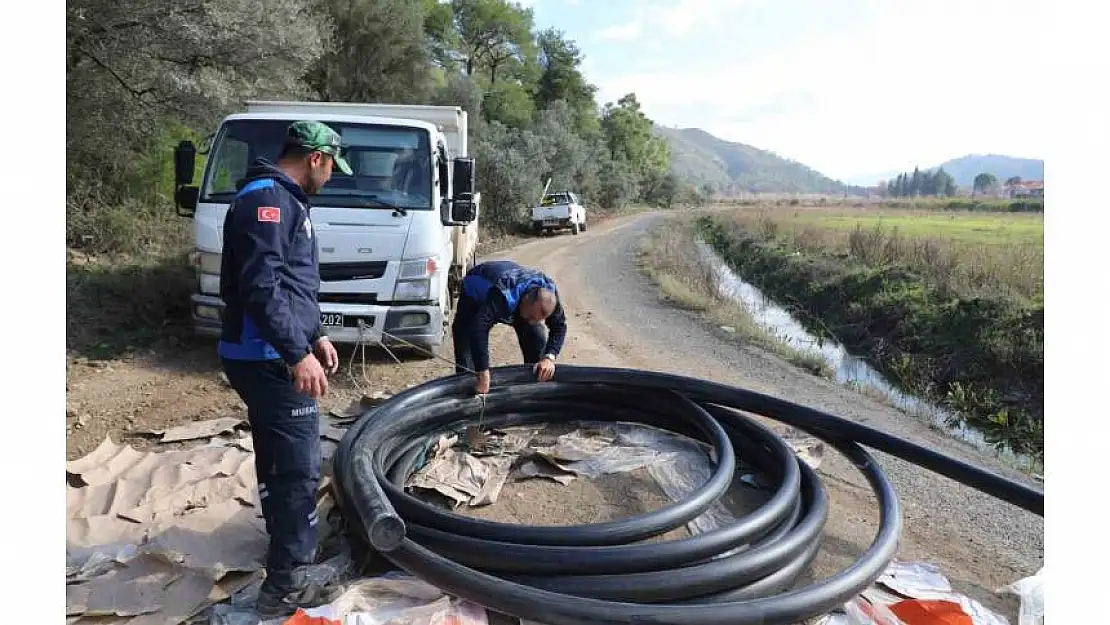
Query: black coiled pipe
x,y
599,574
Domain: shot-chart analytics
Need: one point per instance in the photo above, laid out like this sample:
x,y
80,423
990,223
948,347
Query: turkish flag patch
x,y
271,214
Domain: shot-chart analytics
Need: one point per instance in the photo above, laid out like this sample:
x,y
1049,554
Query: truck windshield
x,y
391,165
555,198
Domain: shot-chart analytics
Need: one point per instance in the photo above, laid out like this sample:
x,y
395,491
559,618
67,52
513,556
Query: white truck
x,y
559,211
395,238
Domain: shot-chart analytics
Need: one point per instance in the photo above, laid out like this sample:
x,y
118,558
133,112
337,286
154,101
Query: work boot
x,y
274,602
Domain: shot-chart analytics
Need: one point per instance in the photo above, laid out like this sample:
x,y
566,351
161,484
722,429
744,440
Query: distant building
x,y
1024,189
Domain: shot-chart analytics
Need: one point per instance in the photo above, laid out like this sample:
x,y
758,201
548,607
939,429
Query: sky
x,y
849,87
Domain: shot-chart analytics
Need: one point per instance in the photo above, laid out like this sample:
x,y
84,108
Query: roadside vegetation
x,y
140,77
669,255
949,306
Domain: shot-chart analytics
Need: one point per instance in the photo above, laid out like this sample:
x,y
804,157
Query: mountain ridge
x,y
730,167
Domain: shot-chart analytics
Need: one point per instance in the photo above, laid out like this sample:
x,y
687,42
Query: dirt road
x,y
617,319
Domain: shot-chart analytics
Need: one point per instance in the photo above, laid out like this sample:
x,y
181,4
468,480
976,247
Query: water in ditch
x,y
848,369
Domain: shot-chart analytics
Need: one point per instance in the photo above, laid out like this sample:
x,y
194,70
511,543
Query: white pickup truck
x,y
559,211
395,237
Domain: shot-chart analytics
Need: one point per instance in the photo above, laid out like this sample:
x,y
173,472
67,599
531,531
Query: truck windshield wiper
x,y
371,201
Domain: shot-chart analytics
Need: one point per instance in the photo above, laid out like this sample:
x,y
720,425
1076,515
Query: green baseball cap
x,y
321,138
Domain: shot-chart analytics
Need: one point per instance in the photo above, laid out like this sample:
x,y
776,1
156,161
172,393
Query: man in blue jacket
x,y
502,291
274,353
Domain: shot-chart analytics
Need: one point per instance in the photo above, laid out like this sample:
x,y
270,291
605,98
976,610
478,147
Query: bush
x,y
114,306
510,166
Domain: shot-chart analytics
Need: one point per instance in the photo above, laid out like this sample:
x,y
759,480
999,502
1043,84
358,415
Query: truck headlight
x,y
414,280
208,272
415,269
412,290
209,284
209,263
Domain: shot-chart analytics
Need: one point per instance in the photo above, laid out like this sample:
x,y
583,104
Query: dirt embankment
x,y
618,319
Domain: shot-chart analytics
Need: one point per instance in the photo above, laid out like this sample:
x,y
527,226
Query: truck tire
x,y
574,228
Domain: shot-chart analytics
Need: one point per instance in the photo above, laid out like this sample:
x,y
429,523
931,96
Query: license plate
x,y
331,320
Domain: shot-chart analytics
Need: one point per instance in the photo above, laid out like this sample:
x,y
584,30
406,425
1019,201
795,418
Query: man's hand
x,y
544,369
481,386
326,354
309,377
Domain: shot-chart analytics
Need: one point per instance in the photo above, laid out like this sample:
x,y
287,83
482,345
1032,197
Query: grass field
x,y
979,228
948,305
959,253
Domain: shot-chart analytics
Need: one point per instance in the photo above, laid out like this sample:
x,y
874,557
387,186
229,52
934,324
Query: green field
x,y
978,228
947,305
959,253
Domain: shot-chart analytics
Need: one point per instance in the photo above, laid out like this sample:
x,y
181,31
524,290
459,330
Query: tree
x,y
460,90
491,33
1013,181
984,182
379,53
561,78
511,163
440,33
573,161
619,183
136,67
630,137
935,183
509,103
944,182
660,189
631,140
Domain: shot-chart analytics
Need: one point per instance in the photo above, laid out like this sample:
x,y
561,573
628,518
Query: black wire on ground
x,y
598,574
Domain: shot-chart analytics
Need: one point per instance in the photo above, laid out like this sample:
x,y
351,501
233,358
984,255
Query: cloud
x,y
621,32
914,84
676,19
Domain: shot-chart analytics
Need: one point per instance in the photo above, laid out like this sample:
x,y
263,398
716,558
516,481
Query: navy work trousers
x,y
531,338
286,430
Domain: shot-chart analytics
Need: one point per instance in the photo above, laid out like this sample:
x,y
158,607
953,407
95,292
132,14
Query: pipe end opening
x,y
386,532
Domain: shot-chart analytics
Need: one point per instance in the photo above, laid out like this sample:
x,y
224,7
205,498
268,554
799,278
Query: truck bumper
x,y
419,324
551,224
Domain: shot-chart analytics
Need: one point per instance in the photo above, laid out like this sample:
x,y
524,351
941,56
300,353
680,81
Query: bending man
x,y
502,291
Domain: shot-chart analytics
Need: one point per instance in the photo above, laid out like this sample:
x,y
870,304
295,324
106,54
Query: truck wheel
x,y
574,228
583,226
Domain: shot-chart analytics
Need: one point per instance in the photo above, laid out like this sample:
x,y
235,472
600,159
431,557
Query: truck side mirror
x,y
185,195
463,176
464,209
463,203
185,161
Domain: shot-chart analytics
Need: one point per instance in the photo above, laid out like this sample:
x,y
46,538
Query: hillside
x,y
965,168
701,158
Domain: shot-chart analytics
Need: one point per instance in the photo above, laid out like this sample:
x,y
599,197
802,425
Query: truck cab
x,y
395,237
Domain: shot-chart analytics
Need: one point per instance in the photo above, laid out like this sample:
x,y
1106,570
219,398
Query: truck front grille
x,y
334,272
347,298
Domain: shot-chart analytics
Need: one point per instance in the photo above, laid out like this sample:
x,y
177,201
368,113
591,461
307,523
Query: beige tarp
x,y
155,537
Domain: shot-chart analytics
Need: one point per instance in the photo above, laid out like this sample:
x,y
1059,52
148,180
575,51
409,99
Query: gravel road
x,y
617,318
